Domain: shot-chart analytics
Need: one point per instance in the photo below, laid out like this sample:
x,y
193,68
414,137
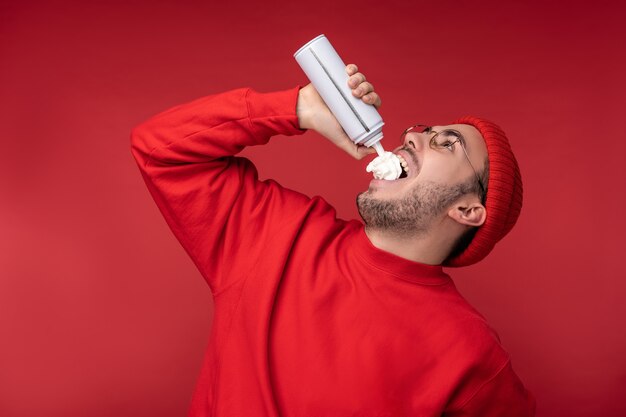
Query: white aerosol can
x,y
327,72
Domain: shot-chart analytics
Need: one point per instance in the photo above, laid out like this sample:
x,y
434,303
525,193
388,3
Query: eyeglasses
x,y
445,139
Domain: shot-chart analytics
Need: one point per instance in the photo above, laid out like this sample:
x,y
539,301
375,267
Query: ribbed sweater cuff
x,y
274,113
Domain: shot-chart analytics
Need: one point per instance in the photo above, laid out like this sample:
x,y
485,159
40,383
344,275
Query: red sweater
x,y
311,320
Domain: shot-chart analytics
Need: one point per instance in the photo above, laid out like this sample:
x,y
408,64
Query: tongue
x,y
385,167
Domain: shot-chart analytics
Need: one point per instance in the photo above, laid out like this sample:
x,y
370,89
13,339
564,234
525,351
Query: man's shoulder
x,y
465,330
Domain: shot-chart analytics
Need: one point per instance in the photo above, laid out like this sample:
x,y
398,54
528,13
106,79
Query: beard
x,y
412,214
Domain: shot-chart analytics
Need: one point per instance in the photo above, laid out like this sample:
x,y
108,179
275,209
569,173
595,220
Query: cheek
x,y
438,170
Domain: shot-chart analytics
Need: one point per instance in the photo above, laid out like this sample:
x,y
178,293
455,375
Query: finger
x,y
356,79
349,147
362,89
351,69
372,98
352,149
363,151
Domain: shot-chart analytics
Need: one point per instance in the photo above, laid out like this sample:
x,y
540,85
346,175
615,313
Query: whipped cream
x,y
386,166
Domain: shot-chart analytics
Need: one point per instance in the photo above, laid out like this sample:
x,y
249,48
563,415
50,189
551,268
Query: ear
x,y
468,213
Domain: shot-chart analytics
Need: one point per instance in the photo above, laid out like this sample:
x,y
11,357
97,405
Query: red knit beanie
x,y
504,193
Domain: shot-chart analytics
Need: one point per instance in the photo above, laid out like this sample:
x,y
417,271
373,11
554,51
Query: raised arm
x,y
212,200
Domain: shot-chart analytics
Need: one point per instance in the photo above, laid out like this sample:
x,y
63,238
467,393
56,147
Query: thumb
x,y
356,151
363,151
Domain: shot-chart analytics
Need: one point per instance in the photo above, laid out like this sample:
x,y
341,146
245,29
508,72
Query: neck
x,y
430,248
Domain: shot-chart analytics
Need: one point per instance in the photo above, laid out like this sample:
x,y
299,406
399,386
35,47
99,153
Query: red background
x,y
101,311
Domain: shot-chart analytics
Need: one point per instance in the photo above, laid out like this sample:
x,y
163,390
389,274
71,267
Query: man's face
x,y
436,178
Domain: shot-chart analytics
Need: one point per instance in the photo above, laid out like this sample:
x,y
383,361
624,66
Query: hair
x,y
466,238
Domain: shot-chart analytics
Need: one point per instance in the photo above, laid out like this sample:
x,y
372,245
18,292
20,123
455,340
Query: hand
x,y
313,113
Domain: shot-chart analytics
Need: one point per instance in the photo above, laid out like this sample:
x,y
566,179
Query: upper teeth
x,y
403,162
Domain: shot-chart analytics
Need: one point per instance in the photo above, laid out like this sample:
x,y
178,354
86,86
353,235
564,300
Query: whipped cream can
x,y
327,72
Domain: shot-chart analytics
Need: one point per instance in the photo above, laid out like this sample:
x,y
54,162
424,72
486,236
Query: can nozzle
x,y
379,148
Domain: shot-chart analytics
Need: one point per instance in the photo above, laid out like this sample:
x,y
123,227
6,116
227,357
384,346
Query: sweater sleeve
x,y
503,395
213,201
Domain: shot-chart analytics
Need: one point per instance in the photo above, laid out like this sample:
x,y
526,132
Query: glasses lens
x,y
446,138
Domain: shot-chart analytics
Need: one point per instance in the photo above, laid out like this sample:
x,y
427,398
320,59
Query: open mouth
x,y
393,166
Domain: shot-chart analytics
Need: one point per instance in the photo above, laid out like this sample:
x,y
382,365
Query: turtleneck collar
x,y
397,266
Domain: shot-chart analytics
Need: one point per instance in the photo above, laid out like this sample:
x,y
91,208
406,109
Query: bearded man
x,y
318,316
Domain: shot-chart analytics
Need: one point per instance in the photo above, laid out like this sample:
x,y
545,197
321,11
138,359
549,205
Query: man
x,y
316,316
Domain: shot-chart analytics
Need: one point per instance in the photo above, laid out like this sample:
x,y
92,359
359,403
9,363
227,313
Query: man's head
x,y
462,182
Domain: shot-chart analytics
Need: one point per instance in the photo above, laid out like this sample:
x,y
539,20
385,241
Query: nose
x,y
415,140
